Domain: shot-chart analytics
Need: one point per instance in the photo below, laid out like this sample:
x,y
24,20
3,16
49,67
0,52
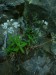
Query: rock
x,y
50,6
17,10
1,43
7,7
1,37
5,68
53,69
2,7
2,56
53,48
45,10
13,2
36,66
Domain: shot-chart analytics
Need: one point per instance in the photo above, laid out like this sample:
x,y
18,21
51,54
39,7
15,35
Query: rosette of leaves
x,y
29,35
15,44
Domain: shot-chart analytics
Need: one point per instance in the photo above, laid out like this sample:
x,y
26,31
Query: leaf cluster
x,y
15,44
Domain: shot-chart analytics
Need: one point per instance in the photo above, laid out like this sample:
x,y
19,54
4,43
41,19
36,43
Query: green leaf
x,y
22,50
30,37
23,44
16,49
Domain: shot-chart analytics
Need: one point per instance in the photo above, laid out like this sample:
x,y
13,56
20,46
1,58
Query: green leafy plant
x,y
29,35
15,44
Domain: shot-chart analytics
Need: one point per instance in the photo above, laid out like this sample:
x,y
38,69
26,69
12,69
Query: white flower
x,y
10,30
8,21
11,20
5,25
5,33
46,23
16,24
43,21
